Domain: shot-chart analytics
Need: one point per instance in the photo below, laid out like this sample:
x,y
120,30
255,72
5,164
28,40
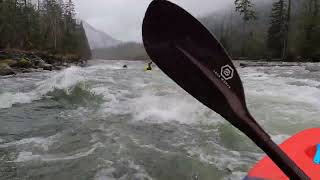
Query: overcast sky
x,y
122,19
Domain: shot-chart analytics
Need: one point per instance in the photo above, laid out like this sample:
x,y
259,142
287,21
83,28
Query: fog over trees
x,y
281,29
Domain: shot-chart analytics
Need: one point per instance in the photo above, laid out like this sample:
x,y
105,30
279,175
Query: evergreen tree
x,y
69,15
286,32
310,46
48,25
276,32
246,9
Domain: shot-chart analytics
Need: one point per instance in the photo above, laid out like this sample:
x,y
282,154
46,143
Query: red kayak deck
x,y
301,148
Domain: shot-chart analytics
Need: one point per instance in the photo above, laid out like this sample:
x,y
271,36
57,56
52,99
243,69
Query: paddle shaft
x,y
263,140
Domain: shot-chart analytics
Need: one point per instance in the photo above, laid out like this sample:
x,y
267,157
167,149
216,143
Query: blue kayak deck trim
x,y
317,156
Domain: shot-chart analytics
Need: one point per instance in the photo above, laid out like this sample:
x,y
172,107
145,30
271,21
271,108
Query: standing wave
x,y
64,80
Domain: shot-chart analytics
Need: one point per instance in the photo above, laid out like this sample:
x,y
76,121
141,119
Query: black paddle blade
x,y
190,55
185,50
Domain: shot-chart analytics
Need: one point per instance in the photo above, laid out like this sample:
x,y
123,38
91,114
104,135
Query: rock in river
x,y
9,62
313,67
5,70
47,67
24,63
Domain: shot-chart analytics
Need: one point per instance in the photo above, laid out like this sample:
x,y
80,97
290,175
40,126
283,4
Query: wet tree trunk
x,y
287,30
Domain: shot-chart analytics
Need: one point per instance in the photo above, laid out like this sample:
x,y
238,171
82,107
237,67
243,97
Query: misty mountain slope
x,y
123,51
98,39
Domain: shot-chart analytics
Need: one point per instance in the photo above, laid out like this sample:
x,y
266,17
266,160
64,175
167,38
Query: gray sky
x,y
122,19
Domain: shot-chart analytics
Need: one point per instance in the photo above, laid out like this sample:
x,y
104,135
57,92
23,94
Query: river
x,y
104,122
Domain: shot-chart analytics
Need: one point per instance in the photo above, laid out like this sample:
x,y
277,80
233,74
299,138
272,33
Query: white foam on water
x,y
26,156
149,97
236,175
159,109
310,95
148,146
115,101
284,105
307,82
223,158
138,173
105,174
8,99
108,95
41,142
94,138
65,80
280,138
270,86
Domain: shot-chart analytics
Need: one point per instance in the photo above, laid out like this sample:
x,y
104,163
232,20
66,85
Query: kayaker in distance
x,y
149,67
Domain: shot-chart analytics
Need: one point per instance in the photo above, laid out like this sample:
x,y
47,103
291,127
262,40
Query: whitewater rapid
x,y
105,122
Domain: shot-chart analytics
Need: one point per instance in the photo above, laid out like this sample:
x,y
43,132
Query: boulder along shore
x,y
15,61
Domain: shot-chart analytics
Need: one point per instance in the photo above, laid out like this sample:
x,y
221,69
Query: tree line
x,y
43,25
285,30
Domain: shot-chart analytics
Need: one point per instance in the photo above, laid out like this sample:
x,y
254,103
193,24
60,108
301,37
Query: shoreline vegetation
x,y
41,34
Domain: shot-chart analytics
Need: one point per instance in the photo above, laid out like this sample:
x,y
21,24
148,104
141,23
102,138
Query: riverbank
x,y
17,61
309,66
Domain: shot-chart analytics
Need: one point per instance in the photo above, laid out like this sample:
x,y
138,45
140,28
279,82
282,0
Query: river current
x,y
104,122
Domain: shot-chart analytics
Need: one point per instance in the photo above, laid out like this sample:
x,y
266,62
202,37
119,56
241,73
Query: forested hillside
x,y
44,25
286,30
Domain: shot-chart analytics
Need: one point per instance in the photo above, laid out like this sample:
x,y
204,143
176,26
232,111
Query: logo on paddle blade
x,y
227,72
